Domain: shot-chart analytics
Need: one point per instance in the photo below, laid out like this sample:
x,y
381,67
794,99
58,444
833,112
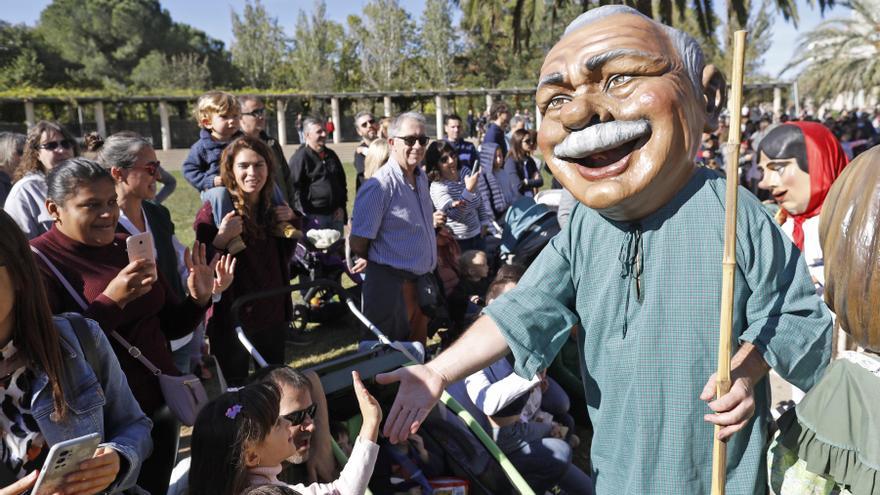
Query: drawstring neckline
x,y
631,266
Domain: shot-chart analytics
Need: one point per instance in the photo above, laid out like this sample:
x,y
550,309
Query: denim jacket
x,y
98,400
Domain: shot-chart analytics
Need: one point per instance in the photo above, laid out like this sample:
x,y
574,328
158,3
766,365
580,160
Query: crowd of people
x,y
88,328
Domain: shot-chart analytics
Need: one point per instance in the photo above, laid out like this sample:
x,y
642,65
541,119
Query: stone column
x,y
280,108
777,103
386,101
166,125
337,123
99,118
796,97
30,117
440,103
489,101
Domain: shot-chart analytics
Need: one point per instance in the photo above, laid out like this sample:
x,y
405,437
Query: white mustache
x,y
601,137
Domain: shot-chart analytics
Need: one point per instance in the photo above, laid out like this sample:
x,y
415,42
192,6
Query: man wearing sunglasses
x,y
253,123
393,229
367,128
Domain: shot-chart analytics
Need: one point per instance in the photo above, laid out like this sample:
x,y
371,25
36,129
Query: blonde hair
x,y
468,260
384,124
215,102
377,155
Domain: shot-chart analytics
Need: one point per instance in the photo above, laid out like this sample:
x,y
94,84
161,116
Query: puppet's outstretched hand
x,y
733,410
420,389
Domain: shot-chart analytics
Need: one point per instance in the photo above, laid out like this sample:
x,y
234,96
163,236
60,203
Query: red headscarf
x,y
825,162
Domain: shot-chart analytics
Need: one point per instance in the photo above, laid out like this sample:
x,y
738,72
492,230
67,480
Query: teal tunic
x,y
647,295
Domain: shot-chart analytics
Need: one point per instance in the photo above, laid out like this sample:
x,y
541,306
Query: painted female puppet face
x,y
789,185
622,122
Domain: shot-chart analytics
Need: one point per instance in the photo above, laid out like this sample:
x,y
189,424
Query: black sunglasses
x,y
368,123
297,417
411,140
259,112
52,145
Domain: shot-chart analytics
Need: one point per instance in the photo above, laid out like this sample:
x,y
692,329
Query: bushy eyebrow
x,y
554,78
597,61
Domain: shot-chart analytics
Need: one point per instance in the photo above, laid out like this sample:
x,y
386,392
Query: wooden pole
x,y
728,264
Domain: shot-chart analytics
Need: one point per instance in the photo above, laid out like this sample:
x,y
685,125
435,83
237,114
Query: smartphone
x,y
63,459
476,168
140,247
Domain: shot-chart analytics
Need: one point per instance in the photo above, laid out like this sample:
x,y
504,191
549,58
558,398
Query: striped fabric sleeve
x,y
370,205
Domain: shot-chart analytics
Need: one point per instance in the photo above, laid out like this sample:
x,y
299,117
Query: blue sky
x,y
217,23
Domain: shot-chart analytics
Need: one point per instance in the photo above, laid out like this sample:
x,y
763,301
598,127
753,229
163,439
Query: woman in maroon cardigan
x,y
246,198
130,298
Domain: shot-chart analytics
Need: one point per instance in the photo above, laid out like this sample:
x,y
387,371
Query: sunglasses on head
x,y
297,417
411,140
151,168
259,112
367,123
53,145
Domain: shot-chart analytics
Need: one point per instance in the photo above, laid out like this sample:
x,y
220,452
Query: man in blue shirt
x,y
499,115
467,152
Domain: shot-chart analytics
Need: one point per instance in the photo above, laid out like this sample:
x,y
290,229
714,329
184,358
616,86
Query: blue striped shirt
x,y
465,220
398,220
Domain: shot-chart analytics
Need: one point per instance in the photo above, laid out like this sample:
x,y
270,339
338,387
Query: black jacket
x,y
318,182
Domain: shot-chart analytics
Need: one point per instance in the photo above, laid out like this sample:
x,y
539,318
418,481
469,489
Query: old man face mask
x,y
622,117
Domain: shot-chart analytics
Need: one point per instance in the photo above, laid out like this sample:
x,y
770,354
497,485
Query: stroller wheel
x,y
300,317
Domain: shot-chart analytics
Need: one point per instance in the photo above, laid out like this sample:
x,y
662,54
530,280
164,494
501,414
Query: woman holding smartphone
x,y
52,392
130,297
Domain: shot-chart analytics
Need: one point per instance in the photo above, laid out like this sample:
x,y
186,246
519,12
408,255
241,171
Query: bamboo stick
x,y
722,382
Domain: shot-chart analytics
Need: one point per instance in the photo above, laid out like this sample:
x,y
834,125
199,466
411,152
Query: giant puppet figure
x,y
638,268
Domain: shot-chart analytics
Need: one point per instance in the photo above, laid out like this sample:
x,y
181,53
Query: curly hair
x,y
30,159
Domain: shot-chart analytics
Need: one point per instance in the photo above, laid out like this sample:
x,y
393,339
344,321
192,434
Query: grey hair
x,y
242,99
685,45
121,150
398,122
517,119
65,178
363,113
11,144
310,121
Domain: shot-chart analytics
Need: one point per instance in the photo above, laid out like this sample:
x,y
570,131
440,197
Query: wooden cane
x,y
728,263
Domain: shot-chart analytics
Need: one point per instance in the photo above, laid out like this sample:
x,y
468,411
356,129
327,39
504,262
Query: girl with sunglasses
x,y
240,440
47,145
519,159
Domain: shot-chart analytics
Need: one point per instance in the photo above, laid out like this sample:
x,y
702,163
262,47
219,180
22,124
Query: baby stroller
x,y
320,255
381,356
528,227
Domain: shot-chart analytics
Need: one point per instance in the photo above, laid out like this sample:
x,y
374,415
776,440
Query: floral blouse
x,y
23,448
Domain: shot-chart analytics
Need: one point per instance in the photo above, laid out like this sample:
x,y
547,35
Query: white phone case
x,y
140,247
63,459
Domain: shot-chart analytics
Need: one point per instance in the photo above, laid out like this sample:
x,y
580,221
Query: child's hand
x,y
224,272
218,181
230,227
370,410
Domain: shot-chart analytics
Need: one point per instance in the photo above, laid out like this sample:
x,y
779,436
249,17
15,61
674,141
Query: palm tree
x,y
841,55
520,18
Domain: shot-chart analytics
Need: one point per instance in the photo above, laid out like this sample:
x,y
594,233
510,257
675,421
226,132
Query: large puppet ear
x,y
715,95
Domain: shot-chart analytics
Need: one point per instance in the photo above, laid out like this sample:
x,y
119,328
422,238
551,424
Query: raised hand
x,y
370,410
471,180
132,282
420,389
224,273
284,213
200,281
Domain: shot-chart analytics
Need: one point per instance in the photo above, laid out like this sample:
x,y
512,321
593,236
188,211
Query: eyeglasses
x,y
367,123
411,140
256,113
151,168
297,417
53,145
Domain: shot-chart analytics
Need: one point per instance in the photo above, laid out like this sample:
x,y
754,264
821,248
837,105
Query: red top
x,y
148,322
825,161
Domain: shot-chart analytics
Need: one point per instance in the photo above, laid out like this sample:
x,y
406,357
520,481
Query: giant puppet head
x,y
800,161
624,102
